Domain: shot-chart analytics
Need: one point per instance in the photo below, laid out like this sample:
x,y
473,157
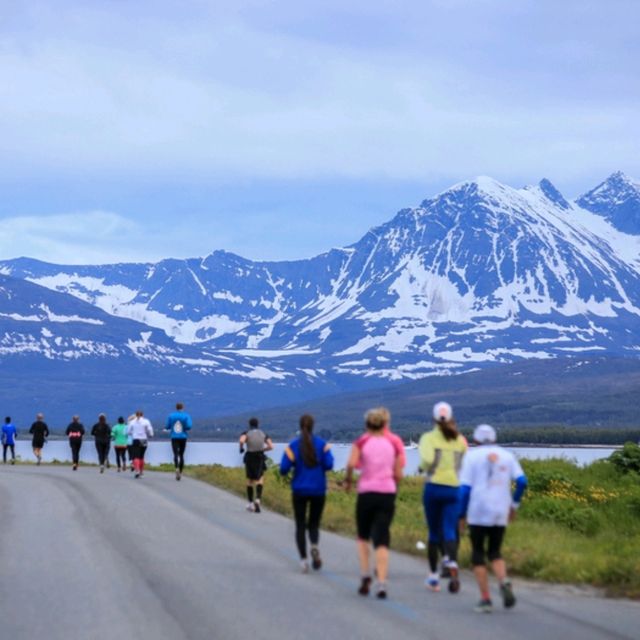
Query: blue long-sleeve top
x,y
179,422
9,434
307,481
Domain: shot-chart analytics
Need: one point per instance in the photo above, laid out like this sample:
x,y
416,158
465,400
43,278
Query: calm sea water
x,y
227,454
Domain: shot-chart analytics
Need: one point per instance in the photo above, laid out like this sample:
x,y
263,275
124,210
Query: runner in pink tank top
x,y
379,456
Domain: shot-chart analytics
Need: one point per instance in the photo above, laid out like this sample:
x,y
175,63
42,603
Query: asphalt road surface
x,y
90,556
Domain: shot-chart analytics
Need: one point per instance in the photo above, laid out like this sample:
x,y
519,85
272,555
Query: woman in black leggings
x,y
101,432
310,458
74,432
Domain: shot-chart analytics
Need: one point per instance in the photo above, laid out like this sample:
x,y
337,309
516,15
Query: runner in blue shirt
x,y
310,458
179,422
9,433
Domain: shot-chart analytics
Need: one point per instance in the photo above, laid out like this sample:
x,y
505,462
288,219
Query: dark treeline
x,y
551,435
565,435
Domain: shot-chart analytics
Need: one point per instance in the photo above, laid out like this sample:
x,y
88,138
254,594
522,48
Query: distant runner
x,y
9,433
179,422
130,449
120,440
441,451
75,431
256,443
40,432
140,430
101,431
488,505
380,457
311,458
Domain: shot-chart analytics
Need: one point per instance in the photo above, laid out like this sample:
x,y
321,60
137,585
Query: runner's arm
x,y
268,444
287,461
354,460
327,458
427,452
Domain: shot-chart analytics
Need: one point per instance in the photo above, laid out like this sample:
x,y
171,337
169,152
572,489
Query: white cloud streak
x,y
228,95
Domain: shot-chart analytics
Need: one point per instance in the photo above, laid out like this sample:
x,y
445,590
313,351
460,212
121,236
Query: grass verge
x,y
577,525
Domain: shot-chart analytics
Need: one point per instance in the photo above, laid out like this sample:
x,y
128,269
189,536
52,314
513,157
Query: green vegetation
x,y
576,524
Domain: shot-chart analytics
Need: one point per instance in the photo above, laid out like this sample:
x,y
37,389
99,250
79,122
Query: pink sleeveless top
x,y
377,460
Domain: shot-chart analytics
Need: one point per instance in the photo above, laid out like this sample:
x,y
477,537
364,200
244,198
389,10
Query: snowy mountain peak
x,y
480,273
551,192
618,200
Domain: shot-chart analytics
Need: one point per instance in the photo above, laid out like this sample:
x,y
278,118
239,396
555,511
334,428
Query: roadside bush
x,y
575,516
627,459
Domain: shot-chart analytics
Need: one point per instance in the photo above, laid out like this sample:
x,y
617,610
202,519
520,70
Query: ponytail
x,y
307,448
448,428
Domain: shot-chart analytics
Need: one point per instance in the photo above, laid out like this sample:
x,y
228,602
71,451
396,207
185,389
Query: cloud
x,y
73,238
203,92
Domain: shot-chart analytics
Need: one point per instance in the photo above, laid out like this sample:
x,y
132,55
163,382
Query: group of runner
x,y
463,489
130,439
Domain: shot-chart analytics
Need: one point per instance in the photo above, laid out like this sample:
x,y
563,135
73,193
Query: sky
x,y
134,130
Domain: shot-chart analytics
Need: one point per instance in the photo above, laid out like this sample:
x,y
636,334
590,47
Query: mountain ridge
x,y
479,274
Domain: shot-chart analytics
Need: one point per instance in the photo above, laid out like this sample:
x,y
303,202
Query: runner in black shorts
x,y
256,443
379,456
488,504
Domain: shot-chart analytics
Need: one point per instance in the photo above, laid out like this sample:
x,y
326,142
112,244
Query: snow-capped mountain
x,y
617,199
481,273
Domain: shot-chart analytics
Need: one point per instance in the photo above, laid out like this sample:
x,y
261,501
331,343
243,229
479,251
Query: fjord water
x,y
227,454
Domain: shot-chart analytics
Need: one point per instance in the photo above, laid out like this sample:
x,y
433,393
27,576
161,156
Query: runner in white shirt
x,y
140,430
487,506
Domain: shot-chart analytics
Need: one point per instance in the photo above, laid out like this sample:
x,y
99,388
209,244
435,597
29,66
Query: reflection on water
x,y
227,453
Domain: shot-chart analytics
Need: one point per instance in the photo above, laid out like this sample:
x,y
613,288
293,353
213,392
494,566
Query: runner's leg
x,y
300,515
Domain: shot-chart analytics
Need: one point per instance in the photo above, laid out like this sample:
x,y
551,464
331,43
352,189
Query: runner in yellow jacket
x,y
441,451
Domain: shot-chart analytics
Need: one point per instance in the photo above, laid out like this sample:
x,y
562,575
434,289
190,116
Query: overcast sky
x,y
135,130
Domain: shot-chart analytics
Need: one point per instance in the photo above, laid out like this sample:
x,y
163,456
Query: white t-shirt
x,y
489,470
140,429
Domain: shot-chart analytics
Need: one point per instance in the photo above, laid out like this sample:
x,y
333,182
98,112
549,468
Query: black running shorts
x,y
485,540
254,464
374,514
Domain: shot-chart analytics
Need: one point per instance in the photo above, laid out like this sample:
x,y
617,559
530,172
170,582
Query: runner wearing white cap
x,y
441,451
488,505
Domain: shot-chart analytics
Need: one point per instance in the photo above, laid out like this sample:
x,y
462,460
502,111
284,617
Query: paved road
x,y
89,556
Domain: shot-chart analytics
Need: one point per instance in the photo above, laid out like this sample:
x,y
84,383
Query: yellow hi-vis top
x,y
441,458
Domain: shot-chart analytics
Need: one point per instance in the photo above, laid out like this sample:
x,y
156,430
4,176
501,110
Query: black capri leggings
x,y
139,449
178,445
316,506
121,456
76,445
374,514
102,448
479,536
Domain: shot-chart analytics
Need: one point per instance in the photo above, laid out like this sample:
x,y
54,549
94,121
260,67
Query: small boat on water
x,y
411,445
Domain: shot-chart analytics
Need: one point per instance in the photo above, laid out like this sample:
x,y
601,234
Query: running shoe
x,y
365,584
316,561
250,507
39,460
445,572
381,591
119,469
102,469
177,474
136,475
304,566
454,580
75,467
432,582
256,506
483,606
508,599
